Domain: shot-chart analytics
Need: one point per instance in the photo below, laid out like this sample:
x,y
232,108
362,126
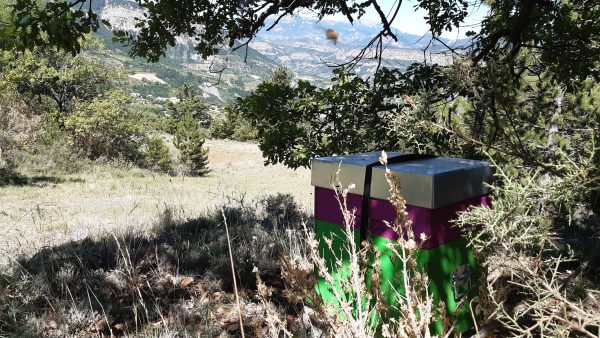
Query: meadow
x,y
52,210
117,251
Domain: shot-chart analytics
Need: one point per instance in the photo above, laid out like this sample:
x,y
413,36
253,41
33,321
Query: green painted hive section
x,y
440,263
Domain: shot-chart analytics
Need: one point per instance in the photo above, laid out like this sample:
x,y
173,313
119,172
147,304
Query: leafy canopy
x,y
106,127
56,78
297,121
553,28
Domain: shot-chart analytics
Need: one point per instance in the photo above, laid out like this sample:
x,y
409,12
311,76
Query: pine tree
x,y
157,155
190,142
190,102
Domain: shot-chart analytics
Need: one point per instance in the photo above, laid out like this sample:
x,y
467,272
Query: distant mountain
x,y
155,82
298,43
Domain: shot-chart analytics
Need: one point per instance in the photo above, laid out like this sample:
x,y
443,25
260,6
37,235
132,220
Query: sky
x,y
412,22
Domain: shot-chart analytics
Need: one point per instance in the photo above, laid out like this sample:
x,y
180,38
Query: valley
x,y
298,43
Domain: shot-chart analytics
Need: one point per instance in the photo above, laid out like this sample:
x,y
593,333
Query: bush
x,y
234,126
287,210
20,126
157,157
529,276
106,127
190,142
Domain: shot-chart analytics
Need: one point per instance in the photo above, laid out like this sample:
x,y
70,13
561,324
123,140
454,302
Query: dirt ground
x,y
73,207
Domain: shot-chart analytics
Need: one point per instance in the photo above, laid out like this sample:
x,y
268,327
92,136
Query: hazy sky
x,y
412,22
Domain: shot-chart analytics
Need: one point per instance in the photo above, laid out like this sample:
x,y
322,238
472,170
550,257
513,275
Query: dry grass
x,y
117,252
175,281
123,252
55,210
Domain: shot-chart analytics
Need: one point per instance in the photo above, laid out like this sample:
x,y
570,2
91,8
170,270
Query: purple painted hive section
x,y
434,223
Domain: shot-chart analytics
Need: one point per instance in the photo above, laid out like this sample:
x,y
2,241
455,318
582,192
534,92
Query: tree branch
x,y
522,22
492,40
387,30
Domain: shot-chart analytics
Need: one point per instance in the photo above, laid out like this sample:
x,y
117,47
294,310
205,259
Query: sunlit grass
x,y
107,200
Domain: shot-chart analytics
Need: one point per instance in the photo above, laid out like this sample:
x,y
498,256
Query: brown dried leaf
x,y
187,281
201,287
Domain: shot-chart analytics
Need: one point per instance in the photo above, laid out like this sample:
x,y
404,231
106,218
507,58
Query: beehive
x,y
436,189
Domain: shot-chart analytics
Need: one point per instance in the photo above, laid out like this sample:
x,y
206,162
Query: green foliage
x,y
7,28
562,37
282,75
190,103
521,242
510,27
443,15
73,104
190,142
20,126
233,125
56,23
540,132
106,127
157,156
526,95
298,122
52,155
223,22
152,118
55,79
535,123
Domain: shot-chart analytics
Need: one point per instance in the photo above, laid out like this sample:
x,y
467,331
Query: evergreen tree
x,y
157,155
190,102
190,142
283,76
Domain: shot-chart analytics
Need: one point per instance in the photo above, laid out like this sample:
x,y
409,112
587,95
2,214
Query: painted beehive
x,y
435,190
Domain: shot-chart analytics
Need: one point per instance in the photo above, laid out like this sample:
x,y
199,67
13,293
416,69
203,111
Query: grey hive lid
x,y
430,183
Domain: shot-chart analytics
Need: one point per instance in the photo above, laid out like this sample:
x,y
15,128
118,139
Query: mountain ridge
x,y
297,42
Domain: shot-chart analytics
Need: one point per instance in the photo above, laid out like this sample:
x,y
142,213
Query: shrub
x,y
156,155
106,127
234,126
20,126
284,207
529,276
190,142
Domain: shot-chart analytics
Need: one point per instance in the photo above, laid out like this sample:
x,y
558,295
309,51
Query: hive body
x,y
435,190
